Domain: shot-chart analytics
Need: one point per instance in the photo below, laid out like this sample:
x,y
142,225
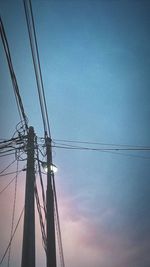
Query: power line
x,y
7,185
58,225
126,154
109,147
41,180
9,140
12,146
8,166
36,63
22,114
43,232
40,218
8,150
101,149
12,151
107,150
42,225
98,143
3,257
13,213
17,158
10,182
9,173
7,154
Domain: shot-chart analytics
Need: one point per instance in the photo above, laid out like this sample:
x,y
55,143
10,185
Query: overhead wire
x,y
13,150
6,143
13,213
35,55
13,139
19,102
12,146
7,154
43,232
41,180
8,166
39,206
110,150
97,143
10,182
58,225
126,154
101,149
36,61
2,153
15,229
37,65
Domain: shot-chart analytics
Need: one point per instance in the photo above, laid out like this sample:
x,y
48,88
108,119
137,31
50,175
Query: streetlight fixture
x,y
52,167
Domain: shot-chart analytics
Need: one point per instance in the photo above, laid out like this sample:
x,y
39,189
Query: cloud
x,y
108,239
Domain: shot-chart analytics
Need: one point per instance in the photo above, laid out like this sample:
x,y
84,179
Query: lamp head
x,y
52,167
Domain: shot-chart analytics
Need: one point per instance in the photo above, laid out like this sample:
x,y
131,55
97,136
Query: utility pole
x,y
28,249
51,244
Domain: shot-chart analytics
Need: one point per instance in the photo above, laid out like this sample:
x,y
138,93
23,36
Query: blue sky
x,y
95,59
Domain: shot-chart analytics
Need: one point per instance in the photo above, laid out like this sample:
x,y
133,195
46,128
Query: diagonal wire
x,y
13,214
41,181
8,166
10,182
40,217
9,173
13,76
58,225
3,257
17,157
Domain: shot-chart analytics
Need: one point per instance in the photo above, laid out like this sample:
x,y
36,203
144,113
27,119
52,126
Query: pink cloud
x,y
90,242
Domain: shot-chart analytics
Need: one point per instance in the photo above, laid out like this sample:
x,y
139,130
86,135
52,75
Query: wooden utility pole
x,y
51,244
28,249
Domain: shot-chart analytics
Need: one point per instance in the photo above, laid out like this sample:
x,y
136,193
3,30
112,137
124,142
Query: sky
x,y
95,60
